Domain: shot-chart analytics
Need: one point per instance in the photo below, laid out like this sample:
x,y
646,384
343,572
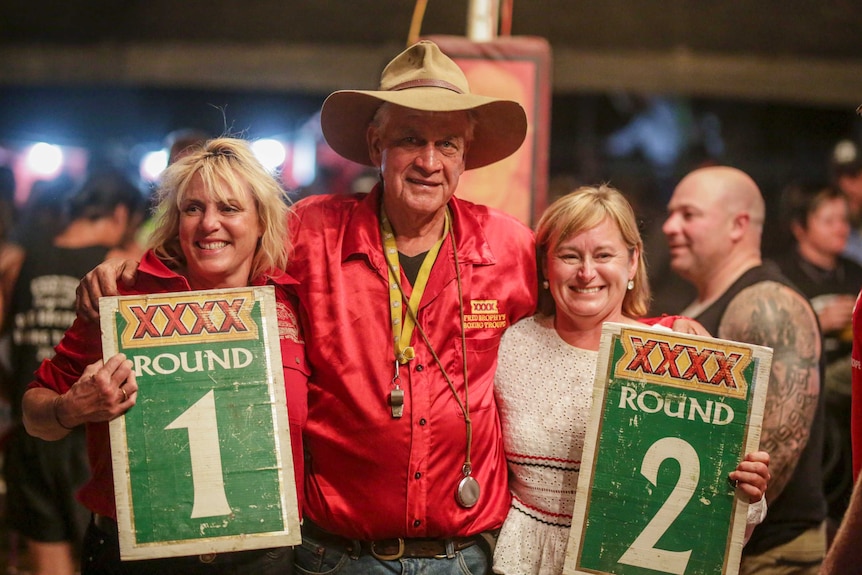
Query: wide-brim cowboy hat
x,y
423,78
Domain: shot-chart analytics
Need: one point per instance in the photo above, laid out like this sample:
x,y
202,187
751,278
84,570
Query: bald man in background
x,y
714,226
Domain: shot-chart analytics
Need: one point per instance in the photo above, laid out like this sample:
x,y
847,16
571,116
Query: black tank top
x,y
43,306
802,504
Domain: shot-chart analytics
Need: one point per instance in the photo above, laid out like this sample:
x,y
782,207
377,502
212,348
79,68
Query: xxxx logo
x,y
483,306
187,319
684,362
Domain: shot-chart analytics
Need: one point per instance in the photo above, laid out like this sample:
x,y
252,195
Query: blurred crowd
x,y
66,227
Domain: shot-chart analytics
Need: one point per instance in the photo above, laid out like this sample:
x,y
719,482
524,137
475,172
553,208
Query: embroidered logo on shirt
x,y
288,327
485,314
483,306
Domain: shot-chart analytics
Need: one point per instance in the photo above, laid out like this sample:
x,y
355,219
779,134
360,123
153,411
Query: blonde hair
x,y
584,209
223,165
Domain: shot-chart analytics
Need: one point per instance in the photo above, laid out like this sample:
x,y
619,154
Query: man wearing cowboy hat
x,y
405,294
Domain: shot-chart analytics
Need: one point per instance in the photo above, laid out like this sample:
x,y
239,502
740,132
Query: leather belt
x,y
393,549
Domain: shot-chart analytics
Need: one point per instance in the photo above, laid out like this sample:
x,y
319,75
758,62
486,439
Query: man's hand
x,y
836,313
678,323
688,325
102,281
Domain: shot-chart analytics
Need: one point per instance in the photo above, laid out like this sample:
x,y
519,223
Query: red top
x,y
82,345
369,475
856,390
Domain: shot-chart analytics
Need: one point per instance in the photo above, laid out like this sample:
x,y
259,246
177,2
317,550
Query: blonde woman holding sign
x,y
220,225
591,258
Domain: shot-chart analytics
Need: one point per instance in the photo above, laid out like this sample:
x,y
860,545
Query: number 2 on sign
x,y
208,482
643,552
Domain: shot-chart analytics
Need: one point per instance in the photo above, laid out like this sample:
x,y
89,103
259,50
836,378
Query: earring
x,y
631,285
546,284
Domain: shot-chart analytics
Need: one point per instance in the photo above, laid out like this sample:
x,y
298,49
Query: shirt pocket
x,y
296,371
481,363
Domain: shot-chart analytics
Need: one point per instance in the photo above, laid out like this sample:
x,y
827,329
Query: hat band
x,y
427,83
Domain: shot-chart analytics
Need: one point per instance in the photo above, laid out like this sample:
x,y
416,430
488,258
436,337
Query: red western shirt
x,y
82,345
369,475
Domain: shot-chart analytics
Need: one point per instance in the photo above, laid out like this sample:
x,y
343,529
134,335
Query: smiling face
x,y
698,228
714,226
421,157
218,236
588,274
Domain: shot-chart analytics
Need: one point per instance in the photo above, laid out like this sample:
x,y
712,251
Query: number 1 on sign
x,y
210,499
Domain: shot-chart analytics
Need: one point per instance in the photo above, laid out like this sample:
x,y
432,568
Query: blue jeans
x,y
315,558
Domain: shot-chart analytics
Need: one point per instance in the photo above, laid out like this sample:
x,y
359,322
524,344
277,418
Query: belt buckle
x,y
393,557
450,551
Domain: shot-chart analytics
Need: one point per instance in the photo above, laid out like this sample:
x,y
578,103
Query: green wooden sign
x,y
672,416
202,462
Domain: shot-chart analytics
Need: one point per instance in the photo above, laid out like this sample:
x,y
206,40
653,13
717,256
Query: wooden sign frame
x,y
202,463
672,415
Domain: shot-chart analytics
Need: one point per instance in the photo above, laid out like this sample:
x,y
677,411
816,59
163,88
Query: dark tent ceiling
x,y
769,50
783,77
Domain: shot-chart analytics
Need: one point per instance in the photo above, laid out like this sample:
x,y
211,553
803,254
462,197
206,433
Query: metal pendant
x,y
467,494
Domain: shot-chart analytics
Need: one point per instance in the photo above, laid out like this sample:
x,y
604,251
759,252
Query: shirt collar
x,y
153,266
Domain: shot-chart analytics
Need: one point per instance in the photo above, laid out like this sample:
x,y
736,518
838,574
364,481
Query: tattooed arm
x,y
775,316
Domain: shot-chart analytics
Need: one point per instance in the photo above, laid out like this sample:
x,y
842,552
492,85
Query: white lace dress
x,y
544,392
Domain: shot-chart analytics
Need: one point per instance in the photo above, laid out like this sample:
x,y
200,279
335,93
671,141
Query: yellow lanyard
x,y
467,493
402,329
